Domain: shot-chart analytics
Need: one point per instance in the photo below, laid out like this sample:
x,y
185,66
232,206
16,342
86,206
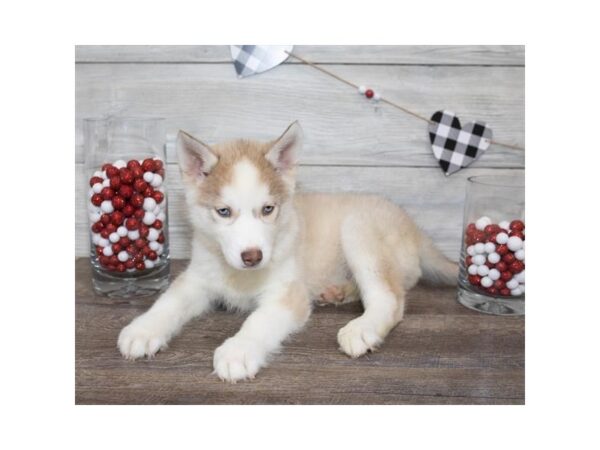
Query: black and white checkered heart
x,y
252,59
454,146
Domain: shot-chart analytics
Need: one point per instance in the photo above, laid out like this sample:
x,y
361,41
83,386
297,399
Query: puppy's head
x,y
239,192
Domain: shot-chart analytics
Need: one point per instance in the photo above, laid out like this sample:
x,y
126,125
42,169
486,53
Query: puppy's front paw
x,y
358,337
237,359
140,339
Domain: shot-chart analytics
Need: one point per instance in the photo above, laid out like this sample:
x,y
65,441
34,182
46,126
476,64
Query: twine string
x,y
384,100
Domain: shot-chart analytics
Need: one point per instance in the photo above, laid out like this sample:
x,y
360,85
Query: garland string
x,y
384,100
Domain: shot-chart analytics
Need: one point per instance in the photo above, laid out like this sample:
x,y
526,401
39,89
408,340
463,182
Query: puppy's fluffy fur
x,y
257,246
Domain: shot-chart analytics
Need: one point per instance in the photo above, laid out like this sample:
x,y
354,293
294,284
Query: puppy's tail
x,y
437,269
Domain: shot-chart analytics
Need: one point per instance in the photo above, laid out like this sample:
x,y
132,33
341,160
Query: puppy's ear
x,y
283,152
196,159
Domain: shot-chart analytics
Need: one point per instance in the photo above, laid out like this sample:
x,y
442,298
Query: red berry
x,y
468,259
95,180
107,193
96,199
140,266
132,224
121,267
106,166
158,164
116,248
509,258
492,290
126,175
137,173
119,202
158,196
475,280
139,214
517,233
111,228
124,241
115,182
369,93
517,225
104,260
158,225
161,172
152,255
149,192
148,165
140,243
112,171
104,233
130,263
136,200
133,163
140,185
117,218
105,219
161,238
502,249
99,249
500,284
131,249
492,229
505,292
506,275
502,266
146,250
97,227
516,266
126,191
490,265
479,236
114,260
128,210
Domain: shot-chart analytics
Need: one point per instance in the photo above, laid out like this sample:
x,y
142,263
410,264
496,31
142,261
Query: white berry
x,y
494,274
514,243
520,277
154,245
516,291
470,248
97,188
362,89
156,211
114,237
494,258
122,231
119,164
106,183
149,204
149,218
482,222
133,235
149,264
486,282
107,206
103,242
478,260
153,234
159,251
161,216
107,251
512,283
502,238
94,216
148,177
96,238
98,174
123,256
520,254
490,247
483,270
156,180
472,269
480,247
505,225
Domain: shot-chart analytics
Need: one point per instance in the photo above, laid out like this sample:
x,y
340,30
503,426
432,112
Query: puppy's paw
x,y
237,359
358,337
138,339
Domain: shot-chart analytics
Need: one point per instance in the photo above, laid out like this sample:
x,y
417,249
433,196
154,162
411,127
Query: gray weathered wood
x,y
347,54
434,200
442,353
341,127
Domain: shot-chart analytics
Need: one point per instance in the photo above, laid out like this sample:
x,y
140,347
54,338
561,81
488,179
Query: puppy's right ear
x,y
196,159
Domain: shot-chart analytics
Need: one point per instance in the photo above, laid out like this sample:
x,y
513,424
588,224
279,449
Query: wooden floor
x,y
442,353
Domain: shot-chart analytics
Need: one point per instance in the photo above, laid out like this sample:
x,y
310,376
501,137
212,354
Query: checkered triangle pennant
x,y
454,146
252,59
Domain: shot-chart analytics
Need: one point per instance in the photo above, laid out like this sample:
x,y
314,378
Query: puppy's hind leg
x,y
380,283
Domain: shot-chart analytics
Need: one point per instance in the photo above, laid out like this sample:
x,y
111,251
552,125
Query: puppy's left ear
x,y
283,152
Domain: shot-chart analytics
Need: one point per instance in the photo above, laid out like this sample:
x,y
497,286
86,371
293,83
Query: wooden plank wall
x,y
351,144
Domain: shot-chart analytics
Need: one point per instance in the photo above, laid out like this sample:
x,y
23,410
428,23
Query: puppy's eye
x,y
268,209
224,212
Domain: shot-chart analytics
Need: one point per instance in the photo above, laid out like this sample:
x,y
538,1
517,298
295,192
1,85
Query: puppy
x,y
258,247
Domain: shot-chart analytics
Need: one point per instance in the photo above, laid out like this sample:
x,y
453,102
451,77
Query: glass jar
x,y
492,260
126,203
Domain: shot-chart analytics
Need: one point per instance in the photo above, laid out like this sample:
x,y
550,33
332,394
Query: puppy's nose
x,y
251,257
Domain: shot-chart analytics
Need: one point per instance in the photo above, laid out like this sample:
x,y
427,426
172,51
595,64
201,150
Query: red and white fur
x,y
259,247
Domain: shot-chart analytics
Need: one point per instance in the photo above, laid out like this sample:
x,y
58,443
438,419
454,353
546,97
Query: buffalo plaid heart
x,y
252,59
454,146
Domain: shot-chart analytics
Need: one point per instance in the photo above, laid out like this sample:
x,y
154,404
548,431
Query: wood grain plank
x,y
341,128
347,54
433,200
441,353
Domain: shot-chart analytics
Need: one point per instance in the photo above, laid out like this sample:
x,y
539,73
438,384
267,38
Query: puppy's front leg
x,y
148,333
280,312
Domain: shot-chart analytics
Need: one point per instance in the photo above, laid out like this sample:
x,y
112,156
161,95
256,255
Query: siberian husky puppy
x,y
258,247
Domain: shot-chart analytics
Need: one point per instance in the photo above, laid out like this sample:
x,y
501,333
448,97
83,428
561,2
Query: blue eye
x,y
267,210
224,212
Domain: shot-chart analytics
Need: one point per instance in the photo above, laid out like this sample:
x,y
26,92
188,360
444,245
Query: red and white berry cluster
x,y
495,259
127,213
369,93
